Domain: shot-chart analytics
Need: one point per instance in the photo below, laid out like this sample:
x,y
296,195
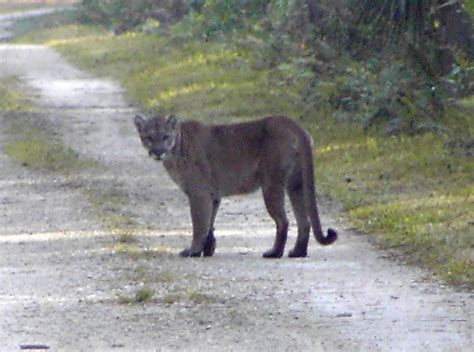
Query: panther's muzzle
x,y
155,155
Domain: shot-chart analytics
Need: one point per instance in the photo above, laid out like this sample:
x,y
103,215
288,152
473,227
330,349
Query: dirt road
x,y
69,282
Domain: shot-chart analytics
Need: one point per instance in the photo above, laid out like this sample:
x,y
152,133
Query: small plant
x,y
127,248
126,237
142,295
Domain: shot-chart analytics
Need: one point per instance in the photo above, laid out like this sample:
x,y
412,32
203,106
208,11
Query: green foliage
x,y
122,15
393,98
396,17
395,22
405,96
462,76
469,6
226,16
114,14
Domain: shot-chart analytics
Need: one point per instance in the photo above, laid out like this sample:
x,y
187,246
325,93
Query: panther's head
x,y
158,135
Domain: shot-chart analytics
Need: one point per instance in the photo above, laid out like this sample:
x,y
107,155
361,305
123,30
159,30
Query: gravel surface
x,y
69,282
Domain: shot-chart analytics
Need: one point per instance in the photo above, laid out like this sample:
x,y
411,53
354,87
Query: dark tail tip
x,y
330,238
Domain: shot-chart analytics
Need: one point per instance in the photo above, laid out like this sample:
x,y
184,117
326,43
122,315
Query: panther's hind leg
x,y
296,195
274,198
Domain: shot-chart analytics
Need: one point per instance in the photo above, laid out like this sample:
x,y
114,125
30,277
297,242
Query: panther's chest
x,y
176,172
189,175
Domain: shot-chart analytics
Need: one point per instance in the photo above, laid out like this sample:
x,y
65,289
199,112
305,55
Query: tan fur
x,y
209,162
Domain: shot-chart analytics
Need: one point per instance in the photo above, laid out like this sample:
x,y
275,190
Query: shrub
x,y
122,15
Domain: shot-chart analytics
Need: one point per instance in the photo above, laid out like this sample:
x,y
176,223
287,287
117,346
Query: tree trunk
x,y
456,27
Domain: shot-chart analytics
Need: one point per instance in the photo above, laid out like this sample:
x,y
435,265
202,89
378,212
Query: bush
x,y
122,15
392,97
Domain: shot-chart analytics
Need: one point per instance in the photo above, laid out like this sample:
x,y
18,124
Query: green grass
x,y
469,6
413,193
32,148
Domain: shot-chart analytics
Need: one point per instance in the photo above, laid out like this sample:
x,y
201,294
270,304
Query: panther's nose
x,y
157,155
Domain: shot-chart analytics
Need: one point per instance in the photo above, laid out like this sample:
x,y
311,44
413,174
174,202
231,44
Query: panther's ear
x,y
139,123
171,122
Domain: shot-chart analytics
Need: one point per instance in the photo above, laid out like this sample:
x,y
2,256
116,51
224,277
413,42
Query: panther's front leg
x,y
210,245
201,211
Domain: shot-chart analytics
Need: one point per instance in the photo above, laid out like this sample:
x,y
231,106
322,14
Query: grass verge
x,y
31,147
413,193
29,142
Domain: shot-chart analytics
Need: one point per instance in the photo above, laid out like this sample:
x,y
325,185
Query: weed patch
x,y
143,295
